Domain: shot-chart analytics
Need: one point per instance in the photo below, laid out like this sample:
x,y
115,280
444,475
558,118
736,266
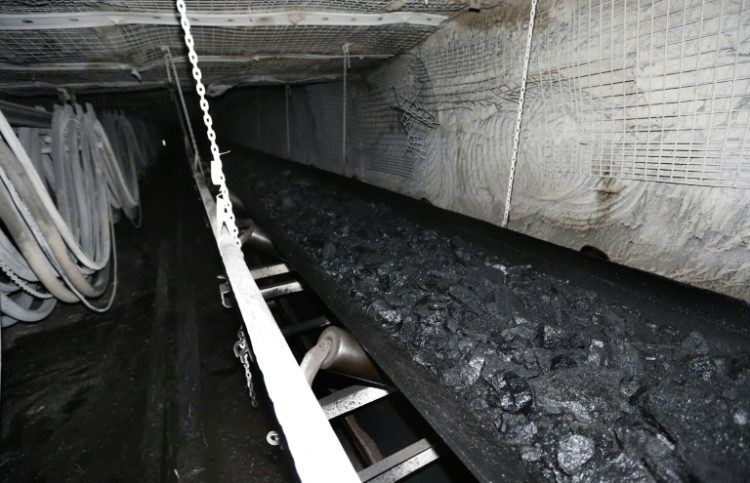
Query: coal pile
x,y
584,388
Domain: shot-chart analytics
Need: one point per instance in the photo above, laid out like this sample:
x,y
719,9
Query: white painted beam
x,y
317,452
78,20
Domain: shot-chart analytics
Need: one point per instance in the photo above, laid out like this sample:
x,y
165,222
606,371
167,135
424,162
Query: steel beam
x,y
351,398
401,464
79,20
281,289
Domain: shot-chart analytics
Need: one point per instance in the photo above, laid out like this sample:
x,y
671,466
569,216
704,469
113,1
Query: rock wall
x,y
634,134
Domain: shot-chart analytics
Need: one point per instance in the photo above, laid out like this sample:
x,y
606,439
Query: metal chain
x,y
242,352
224,212
517,132
25,286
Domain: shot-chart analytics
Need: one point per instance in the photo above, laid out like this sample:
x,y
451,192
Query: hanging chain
x,y
25,286
517,132
242,352
224,213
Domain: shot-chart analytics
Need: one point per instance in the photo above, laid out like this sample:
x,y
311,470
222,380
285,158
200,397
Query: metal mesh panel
x,y
359,6
653,90
139,45
397,94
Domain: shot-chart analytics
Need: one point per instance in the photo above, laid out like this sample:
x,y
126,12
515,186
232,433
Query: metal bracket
x,y
224,290
401,464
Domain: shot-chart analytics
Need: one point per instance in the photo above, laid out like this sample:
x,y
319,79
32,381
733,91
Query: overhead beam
x,y
79,20
75,66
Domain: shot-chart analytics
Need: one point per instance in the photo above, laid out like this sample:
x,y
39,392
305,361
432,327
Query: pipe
x,y
337,349
255,237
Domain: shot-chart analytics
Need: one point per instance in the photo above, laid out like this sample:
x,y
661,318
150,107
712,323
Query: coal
x,y
573,452
584,387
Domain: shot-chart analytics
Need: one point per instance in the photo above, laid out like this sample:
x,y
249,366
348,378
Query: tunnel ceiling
x,y
116,44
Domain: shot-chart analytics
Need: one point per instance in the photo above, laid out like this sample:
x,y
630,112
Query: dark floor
x,y
149,391
532,361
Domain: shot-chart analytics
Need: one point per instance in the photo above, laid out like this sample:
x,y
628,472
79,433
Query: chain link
x,y
242,352
517,132
25,286
224,212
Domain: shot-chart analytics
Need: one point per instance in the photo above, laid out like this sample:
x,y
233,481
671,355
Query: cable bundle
x,y
60,192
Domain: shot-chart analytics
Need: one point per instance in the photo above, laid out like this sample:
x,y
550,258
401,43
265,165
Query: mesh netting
x,y
359,6
656,91
140,46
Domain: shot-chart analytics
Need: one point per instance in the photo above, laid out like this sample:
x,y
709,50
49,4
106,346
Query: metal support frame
x,y
401,463
78,20
269,271
316,450
317,453
351,398
281,289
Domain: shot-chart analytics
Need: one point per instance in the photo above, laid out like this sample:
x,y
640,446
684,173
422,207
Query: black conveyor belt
x,y
531,361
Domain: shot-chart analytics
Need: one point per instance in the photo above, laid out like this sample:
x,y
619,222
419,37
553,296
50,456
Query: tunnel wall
x,y
633,137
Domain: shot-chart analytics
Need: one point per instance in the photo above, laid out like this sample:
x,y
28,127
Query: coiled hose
x,y
63,249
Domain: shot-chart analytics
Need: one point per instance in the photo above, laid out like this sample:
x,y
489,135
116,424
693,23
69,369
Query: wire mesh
x,y
359,6
651,90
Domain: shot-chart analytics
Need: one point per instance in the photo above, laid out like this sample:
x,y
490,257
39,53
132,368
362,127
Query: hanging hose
x,y
65,250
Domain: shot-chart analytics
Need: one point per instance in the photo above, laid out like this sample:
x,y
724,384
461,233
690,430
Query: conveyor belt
x,y
531,361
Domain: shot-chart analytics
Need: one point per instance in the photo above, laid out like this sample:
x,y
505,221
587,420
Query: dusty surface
x,y
583,386
149,391
621,139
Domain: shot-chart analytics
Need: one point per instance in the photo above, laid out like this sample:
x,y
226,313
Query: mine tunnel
x,y
375,241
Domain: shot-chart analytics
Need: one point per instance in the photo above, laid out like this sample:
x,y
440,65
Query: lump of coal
x,y
329,250
654,450
509,392
586,394
573,452
694,345
464,374
621,469
531,453
385,312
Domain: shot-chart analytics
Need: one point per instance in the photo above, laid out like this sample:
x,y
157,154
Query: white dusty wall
x,y
634,140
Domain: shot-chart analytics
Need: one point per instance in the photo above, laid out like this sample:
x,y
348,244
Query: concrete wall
x,y
634,138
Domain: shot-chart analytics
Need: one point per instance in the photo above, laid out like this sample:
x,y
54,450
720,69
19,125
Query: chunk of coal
x,y
694,345
464,375
329,250
509,391
655,450
573,452
385,312
585,393
621,469
524,331
524,434
531,454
